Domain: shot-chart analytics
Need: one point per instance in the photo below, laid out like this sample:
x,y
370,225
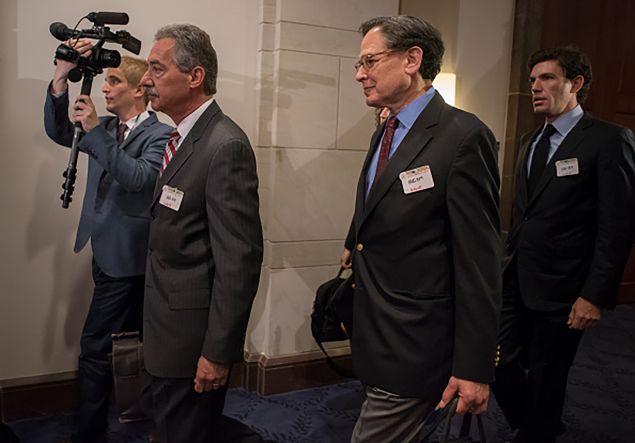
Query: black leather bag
x,y
332,316
428,428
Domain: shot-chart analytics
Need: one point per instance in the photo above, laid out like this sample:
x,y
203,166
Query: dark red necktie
x,y
121,132
391,124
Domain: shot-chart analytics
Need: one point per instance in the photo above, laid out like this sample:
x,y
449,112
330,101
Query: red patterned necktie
x,y
170,149
391,124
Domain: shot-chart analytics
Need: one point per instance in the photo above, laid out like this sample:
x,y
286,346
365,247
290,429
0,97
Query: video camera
x,y
100,58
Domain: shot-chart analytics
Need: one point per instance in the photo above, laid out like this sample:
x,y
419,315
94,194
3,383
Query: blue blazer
x,y
116,209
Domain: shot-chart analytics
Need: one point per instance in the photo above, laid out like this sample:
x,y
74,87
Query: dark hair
x,y
572,61
192,48
402,32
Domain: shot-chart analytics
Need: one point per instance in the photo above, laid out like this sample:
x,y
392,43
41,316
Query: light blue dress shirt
x,y
406,117
563,124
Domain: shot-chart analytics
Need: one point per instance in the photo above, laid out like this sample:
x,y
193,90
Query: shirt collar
x,y
568,120
188,122
409,114
136,121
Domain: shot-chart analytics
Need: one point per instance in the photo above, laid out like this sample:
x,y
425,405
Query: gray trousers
x,y
389,418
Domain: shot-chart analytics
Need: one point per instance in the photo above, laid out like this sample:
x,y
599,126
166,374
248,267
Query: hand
x,y
210,375
62,67
84,112
345,259
473,396
584,314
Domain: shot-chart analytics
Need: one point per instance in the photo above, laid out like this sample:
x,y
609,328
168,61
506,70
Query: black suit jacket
x,y
572,237
427,264
204,260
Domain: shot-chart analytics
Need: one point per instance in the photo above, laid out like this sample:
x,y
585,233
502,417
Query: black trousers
x,y
116,306
536,352
182,415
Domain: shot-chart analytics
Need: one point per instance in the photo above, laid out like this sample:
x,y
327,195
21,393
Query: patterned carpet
x,y
600,405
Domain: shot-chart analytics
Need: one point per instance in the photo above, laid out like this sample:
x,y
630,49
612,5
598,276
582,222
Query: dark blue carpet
x,y
600,405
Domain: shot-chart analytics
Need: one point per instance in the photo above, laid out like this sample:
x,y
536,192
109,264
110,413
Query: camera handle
x,y
71,170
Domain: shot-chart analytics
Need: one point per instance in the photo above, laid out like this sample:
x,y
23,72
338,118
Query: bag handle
x,y
426,429
329,361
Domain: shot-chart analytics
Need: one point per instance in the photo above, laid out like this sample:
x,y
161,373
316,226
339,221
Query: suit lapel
x,y
566,149
416,140
360,201
186,149
138,130
522,169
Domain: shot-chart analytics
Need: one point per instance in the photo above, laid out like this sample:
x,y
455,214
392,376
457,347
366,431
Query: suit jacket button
x,y
360,247
525,218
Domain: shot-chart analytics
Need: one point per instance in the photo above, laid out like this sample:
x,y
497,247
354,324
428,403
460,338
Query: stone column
x,y
312,136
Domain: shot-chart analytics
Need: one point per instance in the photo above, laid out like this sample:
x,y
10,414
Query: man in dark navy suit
x,y
125,152
424,240
571,233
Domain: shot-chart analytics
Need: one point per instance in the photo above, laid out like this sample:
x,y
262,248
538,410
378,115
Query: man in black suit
x,y
425,240
571,232
205,247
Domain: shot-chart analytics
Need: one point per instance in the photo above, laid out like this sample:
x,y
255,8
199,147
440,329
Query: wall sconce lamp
x,y
445,83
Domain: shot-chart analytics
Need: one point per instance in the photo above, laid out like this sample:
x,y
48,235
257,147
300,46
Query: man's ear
x,y
198,76
139,91
576,83
414,57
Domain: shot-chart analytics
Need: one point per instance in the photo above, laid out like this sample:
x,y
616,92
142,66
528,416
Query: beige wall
x,y
478,39
286,77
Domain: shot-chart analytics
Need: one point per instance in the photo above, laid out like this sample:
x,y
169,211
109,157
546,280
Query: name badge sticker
x,y
171,197
416,180
567,167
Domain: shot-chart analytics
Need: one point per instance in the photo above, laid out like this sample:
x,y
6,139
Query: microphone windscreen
x,y
109,18
59,30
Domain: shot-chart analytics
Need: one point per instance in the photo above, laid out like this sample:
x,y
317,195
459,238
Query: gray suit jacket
x,y
204,258
116,209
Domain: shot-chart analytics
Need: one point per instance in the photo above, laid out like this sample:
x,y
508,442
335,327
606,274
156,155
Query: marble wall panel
x,y
305,100
317,39
312,194
355,120
335,13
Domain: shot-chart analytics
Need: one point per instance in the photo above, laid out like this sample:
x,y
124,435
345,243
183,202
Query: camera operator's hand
x,y
60,77
84,112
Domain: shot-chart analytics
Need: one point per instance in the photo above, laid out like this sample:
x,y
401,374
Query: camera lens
x,y
108,58
64,52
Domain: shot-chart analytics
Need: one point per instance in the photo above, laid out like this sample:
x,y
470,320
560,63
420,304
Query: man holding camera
x,y
125,152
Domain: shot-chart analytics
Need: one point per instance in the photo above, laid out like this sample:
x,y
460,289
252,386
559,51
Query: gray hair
x,y
192,48
402,32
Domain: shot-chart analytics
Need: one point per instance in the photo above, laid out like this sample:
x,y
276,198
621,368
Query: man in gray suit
x,y
205,248
124,157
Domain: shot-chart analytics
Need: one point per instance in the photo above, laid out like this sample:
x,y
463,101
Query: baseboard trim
x,y
49,394
38,396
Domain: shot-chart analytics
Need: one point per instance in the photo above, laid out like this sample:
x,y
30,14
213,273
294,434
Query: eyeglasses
x,y
369,60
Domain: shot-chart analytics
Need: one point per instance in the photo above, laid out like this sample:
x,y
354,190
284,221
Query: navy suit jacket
x,y
427,263
116,209
572,237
